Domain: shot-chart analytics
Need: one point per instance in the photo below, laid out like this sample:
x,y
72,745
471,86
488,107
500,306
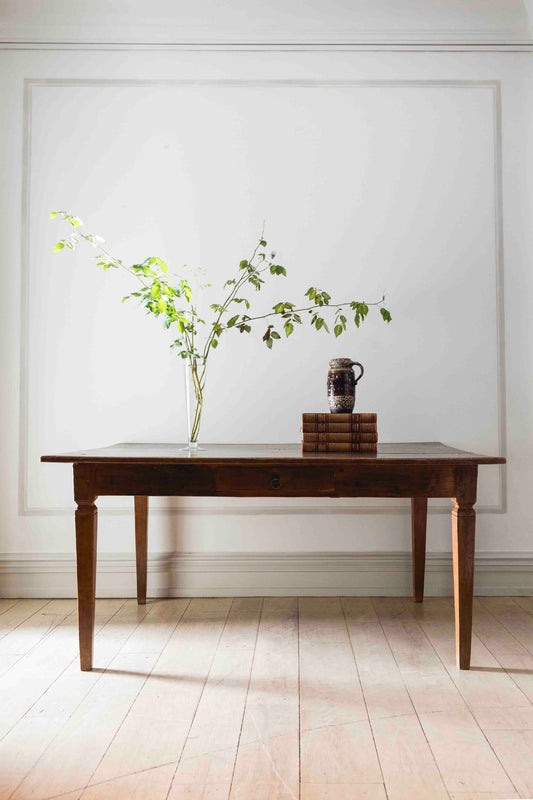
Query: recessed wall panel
x,y
362,189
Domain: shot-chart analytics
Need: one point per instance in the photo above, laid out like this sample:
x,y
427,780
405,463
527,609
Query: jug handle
x,y
357,364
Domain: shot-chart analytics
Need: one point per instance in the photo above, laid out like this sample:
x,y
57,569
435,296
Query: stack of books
x,y
339,433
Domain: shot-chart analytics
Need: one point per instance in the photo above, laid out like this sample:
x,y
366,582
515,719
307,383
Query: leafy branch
x,y
172,298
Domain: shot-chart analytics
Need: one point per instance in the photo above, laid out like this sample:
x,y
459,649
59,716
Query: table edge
x,y
306,459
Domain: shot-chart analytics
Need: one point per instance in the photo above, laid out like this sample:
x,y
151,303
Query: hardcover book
x,y
339,427
339,447
327,419
333,436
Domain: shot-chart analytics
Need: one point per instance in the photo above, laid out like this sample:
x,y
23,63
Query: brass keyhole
x,y
275,480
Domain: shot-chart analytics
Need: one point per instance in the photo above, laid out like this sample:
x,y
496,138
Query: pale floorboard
x,y
408,765
383,686
266,699
515,751
484,685
426,678
336,740
514,616
15,613
267,762
208,758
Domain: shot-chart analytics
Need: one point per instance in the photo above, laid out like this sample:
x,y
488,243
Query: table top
x,y
270,454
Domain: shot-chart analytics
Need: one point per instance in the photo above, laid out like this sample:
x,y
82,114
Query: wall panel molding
x,y
26,509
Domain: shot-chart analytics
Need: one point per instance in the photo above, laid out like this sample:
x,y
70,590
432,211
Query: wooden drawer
x,y
275,481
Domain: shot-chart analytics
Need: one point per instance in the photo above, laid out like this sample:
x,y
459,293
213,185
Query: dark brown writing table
x,y
416,469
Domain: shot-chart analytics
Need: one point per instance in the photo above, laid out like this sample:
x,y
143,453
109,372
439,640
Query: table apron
x,y
269,480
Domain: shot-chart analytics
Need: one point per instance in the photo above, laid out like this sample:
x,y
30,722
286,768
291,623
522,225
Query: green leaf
x,y
214,343
269,343
337,330
162,305
275,335
53,214
278,308
58,246
233,320
243,264
242,300
262,243
155,291
385,314
288,327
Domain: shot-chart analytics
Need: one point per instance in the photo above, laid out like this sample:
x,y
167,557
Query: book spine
x,y
339,447
339,427
330,437
326,418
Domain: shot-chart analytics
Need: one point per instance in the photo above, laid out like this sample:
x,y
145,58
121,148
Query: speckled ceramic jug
x,y
341,385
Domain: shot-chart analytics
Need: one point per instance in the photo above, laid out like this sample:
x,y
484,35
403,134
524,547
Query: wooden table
x,y
416,470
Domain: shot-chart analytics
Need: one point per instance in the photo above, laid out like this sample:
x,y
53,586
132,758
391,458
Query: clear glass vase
x,y
195,374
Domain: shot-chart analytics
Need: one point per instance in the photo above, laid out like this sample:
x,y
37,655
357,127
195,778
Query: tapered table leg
x,y
141,546
419,509
86,529
463,539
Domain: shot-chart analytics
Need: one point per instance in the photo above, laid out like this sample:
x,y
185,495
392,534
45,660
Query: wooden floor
x,y
311,698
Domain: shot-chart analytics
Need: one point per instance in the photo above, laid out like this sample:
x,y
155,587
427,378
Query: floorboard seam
x,y
246,698
363,694
200,696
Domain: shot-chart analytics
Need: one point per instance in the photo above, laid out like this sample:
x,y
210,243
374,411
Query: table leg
x,y
419,508
463,537
86,528
141,546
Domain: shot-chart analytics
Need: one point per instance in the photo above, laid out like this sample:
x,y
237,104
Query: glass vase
x,y
195,373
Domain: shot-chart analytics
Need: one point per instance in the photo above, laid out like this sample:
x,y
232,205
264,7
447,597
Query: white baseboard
x,y
248,574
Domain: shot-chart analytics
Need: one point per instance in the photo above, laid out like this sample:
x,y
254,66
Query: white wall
x,y
397,170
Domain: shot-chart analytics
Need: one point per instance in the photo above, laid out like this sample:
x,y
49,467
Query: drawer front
x,y
155,480
275,481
